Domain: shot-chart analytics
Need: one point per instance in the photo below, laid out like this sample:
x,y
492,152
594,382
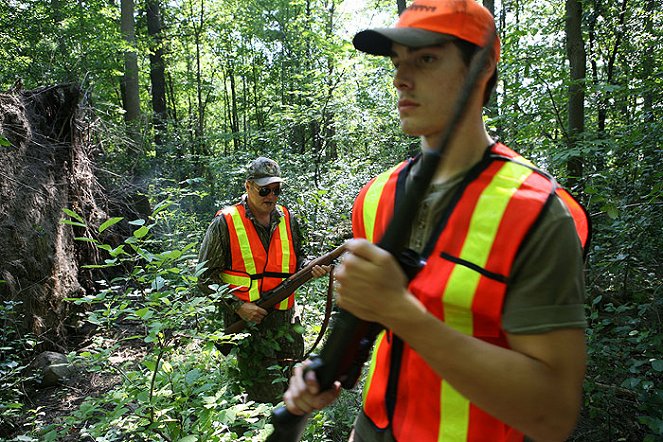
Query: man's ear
x,y
247,184
489,66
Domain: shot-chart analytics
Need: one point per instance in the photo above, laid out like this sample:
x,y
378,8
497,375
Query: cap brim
x,y
268,180
378,41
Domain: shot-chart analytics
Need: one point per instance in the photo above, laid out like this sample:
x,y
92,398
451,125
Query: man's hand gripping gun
x,y
274,296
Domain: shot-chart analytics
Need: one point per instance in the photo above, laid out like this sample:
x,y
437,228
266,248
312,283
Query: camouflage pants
x,y
265,358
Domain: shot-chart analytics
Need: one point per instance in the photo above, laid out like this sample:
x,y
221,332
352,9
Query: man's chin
x,y
410,129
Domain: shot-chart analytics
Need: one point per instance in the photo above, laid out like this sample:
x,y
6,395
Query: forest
x,y
126,124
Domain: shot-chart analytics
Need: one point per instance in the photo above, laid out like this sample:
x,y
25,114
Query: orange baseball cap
x,y
430,23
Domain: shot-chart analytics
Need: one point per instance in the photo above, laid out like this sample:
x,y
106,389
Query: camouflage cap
x,y
264,171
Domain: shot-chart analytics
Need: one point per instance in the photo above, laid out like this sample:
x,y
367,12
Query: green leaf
x,y
657,365
192,376
74,215
631,383
611,210
137,222
72,223
109,223
99,266
4,142
149,364
85,239
119,250
190,438
173,254
163,205
158,283
144,313
140,233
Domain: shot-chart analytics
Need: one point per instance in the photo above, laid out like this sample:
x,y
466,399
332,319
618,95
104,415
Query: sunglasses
x,y
264,191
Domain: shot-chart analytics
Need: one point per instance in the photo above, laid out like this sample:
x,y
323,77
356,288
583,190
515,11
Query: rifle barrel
x,y
272,297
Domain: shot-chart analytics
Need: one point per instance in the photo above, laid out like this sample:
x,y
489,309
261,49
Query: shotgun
x,y
272,297
348,346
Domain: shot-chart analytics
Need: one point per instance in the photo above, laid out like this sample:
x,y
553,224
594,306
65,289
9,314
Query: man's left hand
x,y
318,271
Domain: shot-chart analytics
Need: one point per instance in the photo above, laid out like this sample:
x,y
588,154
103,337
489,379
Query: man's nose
x,y
402,77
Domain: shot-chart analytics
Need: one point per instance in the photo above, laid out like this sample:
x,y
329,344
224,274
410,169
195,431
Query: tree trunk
x,y
260,119
199,127
492,102
130,92
576,54
400,4
234,116
330,147
593,56
157,71
46,168
610,70
649,62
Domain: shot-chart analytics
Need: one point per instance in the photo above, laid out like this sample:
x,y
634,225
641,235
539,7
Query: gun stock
x,y
274,296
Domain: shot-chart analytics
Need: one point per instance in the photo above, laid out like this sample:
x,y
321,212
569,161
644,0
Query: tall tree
x,y
492,103
130,91
575,50
400,5
157,70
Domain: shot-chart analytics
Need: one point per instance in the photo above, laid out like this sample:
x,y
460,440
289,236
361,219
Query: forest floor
x,y
51,405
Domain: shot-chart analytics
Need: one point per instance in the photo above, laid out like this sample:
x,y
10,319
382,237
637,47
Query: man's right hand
x,y
304,396
251,312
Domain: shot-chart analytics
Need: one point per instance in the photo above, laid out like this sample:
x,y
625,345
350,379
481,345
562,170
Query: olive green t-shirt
x,y
547,285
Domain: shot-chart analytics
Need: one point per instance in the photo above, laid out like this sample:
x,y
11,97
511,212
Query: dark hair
x,y
468,51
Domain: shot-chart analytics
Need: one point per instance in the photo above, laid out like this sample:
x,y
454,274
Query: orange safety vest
x,y
253,269
464,281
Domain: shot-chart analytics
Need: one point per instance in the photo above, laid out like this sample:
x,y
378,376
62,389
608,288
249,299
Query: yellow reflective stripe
x,y
371,200
463,281
242,281
491,207
285,253
455,415
521,159
285,245
245,250
371,366
483,227
458,297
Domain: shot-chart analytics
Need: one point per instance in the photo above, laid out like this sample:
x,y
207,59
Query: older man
x,y
252,246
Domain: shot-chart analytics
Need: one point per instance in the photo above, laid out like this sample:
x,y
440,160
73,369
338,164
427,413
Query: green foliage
x,y
626,368
180,387
14,350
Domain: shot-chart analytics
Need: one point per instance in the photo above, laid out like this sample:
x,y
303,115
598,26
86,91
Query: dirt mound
x,y
46,168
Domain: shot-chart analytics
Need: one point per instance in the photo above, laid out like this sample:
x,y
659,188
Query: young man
x,y
252,246
486,343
